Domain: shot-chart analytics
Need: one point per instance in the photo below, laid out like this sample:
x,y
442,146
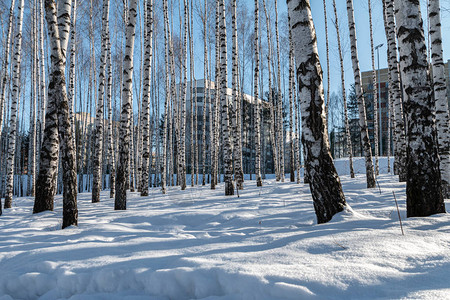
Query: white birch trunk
x,y
423,187
344,94
360,98
325,185
146,148
235,112
15,100
4,73
375,94
227,151
440,94
167,99
280,135
125,118
98,155
256,96
396,92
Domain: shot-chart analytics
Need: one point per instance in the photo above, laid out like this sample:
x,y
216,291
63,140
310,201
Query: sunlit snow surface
x,y
199,244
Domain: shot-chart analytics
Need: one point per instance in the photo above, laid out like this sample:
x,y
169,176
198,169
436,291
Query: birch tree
x,y
97,168
125,118
327,46
423,187
110,139
146,98
360,98
4,72
257,136
344,94
375,93
167,98
227,151
15,100
395,91
440,94
325,185
58,121
280,135
235,107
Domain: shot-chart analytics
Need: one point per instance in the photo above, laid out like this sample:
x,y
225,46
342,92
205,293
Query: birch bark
x,y
125,118
440,94
370,176
325,185
423,187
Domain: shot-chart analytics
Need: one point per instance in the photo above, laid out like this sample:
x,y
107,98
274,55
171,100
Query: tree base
x,y
229,189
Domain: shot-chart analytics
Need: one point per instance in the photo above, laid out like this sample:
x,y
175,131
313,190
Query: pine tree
x,y
325,185
423,187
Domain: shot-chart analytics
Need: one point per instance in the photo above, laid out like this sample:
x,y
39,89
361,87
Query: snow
x,y
199,244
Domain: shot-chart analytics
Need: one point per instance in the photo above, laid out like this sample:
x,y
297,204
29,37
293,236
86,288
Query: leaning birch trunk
x,y
325,185
360,98
15,94
255,90
238,172
375,95
423,187
146,99
344,96
4,73
395,91
98,155
125,118
440,95
227,151
280,135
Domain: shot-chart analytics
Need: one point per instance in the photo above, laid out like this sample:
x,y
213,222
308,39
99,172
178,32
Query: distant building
x,y
382,76
248,104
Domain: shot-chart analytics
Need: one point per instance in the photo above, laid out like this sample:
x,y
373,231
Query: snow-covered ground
x,y
199,244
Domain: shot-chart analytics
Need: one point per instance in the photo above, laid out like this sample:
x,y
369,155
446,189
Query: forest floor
x,y
199,244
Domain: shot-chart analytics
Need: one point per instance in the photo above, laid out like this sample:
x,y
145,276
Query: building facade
x,y
201,89
382,78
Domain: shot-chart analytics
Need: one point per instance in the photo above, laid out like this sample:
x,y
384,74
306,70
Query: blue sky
x,y
362,28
